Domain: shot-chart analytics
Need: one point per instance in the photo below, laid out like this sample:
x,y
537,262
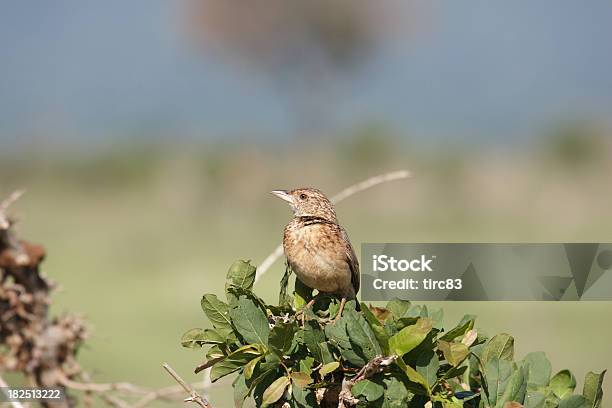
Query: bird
x,y
317,247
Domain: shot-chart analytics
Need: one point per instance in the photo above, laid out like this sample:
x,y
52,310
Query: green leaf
x,y
405,322
437,316
281,336
270,361
410,337
234,361
563,384
427,364
454,353
338,336
198,337
466,324
448,401
241,390
241,274
516,388
574,401
592,390
538,370
213,355
470,338
414,377
283,297
275,391
328,368
535,399
250,321
417,311
379,331
217,312
303,397
368,389
262,379
306,364
249,368
208,363
314,338
398,307
500,346
301,294
497,373
542,398
455,372
300,378
361,336
235,292
215,352
396,394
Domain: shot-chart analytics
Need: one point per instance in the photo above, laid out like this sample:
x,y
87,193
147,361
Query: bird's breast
x,y
314,254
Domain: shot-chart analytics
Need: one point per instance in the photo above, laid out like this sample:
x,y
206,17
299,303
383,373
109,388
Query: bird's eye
x,y
303,196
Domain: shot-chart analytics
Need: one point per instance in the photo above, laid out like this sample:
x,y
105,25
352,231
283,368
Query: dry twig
x,y
376,365
146,395
4,205
193,395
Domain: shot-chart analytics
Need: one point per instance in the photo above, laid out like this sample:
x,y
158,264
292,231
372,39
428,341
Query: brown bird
x,y
317,248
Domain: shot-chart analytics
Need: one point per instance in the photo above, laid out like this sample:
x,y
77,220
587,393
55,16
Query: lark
x,y
317,248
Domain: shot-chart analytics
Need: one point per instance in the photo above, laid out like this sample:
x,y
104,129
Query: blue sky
x,y
479,69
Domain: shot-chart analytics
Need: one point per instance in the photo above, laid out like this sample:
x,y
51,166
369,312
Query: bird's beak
x,y
283,195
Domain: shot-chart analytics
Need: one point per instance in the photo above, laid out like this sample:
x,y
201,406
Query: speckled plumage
x,y
317,247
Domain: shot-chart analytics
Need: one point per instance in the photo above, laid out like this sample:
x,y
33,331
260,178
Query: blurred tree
x,y
304,47
576,143
370,144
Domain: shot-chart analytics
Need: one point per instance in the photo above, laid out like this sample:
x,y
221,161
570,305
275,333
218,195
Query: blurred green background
x,y
135,236
148,136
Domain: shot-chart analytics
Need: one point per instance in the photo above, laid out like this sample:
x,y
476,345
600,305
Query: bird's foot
x,y
301,314
340,310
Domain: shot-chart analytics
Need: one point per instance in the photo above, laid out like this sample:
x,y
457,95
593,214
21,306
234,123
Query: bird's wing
x,y
352,261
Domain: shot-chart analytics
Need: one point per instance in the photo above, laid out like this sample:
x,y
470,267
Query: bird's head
x,y
308,202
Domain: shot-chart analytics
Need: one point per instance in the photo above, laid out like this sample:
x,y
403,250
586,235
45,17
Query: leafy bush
x,y
394,356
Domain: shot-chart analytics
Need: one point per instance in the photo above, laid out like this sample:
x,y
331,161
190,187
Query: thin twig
x,y
369,183
115,401
207,383
342,195
376,365
193,395
14,196
164,394
101,388
4,205
146,395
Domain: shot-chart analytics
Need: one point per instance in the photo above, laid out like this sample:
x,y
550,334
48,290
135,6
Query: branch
x,y
4,205
342,195
193,395
147,396
165,393
114,401
162,393
376,365
369,183
102,388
